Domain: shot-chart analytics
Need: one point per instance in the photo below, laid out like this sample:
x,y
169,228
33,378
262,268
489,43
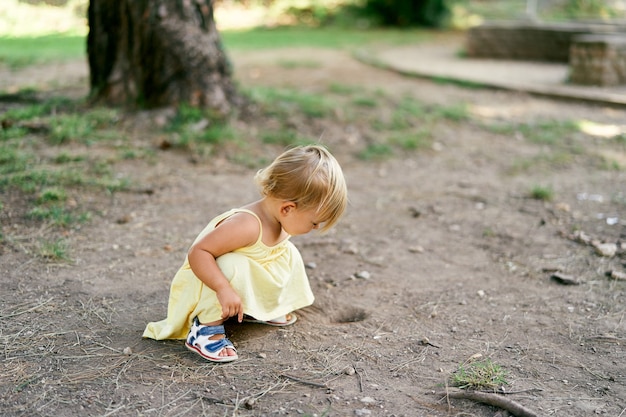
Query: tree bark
x,y
153,53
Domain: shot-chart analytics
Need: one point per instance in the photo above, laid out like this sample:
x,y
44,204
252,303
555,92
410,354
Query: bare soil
x,y
442,259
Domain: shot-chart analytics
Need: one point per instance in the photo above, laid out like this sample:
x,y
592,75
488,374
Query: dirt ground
x,y
442,259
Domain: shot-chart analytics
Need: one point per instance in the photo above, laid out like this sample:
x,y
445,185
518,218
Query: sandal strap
x,y
203,338
216,346
209,331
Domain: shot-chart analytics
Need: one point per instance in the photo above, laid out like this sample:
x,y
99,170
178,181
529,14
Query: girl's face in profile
x,y
297,221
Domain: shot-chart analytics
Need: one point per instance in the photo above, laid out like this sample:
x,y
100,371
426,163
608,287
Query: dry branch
x,y
305,382
495,400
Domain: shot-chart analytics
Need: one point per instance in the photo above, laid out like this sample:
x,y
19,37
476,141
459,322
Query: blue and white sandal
x,y
199,341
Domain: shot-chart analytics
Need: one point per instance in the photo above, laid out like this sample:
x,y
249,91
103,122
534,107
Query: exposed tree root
x,y
495,400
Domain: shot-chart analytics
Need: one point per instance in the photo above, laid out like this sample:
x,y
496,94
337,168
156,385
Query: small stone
x,y
349,371
564,279
362,412
311,265
481,293
563,207
262,355
368,400
127,351
617,275
606,249
363,275
416,249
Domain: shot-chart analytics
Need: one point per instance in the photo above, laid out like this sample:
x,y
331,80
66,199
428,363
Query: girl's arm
x,y
238,231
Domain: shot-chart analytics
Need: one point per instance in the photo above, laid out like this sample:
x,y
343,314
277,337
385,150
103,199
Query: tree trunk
x,y
153,53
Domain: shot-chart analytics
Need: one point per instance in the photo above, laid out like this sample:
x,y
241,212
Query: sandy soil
x,y
442,259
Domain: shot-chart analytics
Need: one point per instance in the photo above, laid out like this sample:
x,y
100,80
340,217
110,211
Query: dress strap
x,y
243,210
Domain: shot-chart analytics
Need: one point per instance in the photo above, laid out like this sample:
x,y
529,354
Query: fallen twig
x,y
495,400
17,313
356,371
523,391
302,381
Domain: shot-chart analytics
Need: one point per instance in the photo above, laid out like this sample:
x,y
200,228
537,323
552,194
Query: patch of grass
x,y
54,250
365,101
543,193
43,169
456,112
343,89
66,158
330,37
51,106
58,215
219,133
284,137
71,127
411,141
18,52
561,143
194,127
479,375
284,102
548,132
459,83
185,115
51,195
13,160
376,151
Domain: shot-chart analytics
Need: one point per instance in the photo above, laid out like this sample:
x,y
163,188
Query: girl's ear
x,y
287,207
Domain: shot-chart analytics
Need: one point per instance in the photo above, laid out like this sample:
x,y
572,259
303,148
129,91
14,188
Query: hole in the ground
x,y
350,315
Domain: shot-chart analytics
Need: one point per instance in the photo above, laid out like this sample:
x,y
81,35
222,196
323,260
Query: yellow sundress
x,y
271,281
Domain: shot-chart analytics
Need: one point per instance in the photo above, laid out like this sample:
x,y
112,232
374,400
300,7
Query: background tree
x,y
152,53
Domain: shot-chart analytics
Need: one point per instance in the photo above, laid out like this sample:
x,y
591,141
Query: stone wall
x,y
528,40
598,60
596,53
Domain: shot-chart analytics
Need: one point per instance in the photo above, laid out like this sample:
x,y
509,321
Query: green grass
x,y
543,132
543,193
560,144
327,37
376,151
44,158
284,102
479,375
23,51
54,250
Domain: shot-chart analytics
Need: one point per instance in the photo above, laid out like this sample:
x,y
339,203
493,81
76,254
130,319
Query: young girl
x,y
243,265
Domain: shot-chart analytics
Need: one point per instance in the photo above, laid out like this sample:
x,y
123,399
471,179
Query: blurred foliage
x,y
365,14
360,13
19,18
428,13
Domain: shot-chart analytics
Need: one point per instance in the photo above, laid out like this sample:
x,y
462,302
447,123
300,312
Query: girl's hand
x,y
231,303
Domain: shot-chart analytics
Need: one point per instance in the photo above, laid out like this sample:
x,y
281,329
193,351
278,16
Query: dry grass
x,y
61,350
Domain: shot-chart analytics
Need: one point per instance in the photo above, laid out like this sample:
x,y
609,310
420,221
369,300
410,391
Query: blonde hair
x,y
310,177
